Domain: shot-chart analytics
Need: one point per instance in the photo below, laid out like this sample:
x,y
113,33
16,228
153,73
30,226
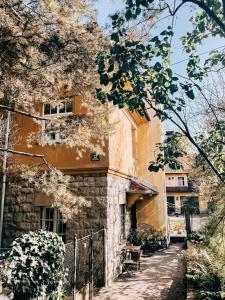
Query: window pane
x,y
181,181
122,221
46,109
53,109
50,213
49,225
170,205
69,106
62,107
51,220
60,226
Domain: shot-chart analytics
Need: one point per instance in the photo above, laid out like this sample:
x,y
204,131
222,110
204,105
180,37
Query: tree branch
x,y
223,8
187,133
21,112
204,7
34,116
27,154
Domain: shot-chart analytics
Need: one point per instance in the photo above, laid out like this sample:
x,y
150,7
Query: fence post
x,y
104,256
74,266
91,280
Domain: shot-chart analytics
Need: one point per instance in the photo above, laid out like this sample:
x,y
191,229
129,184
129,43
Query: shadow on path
x,y
161,278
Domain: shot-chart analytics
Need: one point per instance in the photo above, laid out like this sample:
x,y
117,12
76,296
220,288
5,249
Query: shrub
x,y
34,266
145,235
203,272
194,237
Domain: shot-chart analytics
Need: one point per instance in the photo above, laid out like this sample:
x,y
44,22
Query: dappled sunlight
x,y
161,278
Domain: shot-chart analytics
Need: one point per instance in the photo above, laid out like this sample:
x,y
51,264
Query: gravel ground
x,y
161,278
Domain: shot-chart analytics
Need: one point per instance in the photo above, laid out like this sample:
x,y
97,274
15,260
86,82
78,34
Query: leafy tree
x,y
48,53
137,73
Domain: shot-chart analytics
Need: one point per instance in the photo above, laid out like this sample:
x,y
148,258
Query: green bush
x,y
194,237
34,266
203,272
145,235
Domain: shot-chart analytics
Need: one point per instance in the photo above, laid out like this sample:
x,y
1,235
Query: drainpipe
x,y
4,170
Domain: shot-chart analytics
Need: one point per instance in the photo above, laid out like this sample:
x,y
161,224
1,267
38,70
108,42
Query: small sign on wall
x,y
95,157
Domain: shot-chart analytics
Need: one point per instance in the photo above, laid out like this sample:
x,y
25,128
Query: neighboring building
x,y
122,191
180,193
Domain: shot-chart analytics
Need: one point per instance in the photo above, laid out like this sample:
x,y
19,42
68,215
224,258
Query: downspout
x,y
4,171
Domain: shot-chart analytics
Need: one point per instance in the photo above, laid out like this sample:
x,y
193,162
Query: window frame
x,y
182,179
122,215
55,220
58,108
46,136
171,181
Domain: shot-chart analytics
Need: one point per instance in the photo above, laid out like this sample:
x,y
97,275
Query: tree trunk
x,y
187,220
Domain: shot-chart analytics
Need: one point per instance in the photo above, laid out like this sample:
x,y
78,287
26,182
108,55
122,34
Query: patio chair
x,y
132,259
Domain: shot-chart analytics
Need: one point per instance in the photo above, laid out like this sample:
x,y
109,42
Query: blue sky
x,y
181,26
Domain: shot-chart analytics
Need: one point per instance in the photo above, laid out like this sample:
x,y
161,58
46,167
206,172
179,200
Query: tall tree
x,y
138,73
48,51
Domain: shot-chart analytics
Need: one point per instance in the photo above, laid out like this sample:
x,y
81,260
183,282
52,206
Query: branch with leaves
x,y
136,71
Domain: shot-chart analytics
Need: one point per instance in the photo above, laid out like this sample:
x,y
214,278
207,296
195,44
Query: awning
x,y
139,186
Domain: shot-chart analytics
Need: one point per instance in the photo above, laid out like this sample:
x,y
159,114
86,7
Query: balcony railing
x,y
181,189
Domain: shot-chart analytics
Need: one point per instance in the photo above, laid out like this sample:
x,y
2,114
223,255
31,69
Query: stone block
x,y
78,178
103,213
101,200
93,191
8,217
30,198
101,181
92,213
21,199
27,190
102,191
24,226
89,181
74,184
83,191
26,208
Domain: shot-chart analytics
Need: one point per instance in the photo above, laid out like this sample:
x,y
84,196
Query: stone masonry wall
x,y
105,192
94,189
117,188
20,214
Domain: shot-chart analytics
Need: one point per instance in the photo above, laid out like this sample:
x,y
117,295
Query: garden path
x,y
161,277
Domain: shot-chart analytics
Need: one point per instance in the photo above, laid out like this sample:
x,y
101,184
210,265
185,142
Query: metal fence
x,y
85,264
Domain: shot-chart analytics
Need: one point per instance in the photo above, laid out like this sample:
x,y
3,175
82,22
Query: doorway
x,y
133,216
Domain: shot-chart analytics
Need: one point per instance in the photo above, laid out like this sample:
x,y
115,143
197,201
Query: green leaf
x,y
173,88
128,14
190,94
115,37
104,79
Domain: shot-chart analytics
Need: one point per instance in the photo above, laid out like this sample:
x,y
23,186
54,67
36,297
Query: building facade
x,y
122,192
181,193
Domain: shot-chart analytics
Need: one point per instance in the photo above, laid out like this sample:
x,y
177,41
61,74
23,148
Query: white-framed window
x,y
171,181
181,181
122,221
51,220
64,108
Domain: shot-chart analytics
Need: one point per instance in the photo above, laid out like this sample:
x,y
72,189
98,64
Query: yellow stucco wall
x,y
120,144
154,210
128,151
57,155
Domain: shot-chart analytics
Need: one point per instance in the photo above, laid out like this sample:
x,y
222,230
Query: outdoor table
x,y
132,248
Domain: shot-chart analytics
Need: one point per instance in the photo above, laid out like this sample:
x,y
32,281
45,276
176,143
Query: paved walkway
x,y
161,278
